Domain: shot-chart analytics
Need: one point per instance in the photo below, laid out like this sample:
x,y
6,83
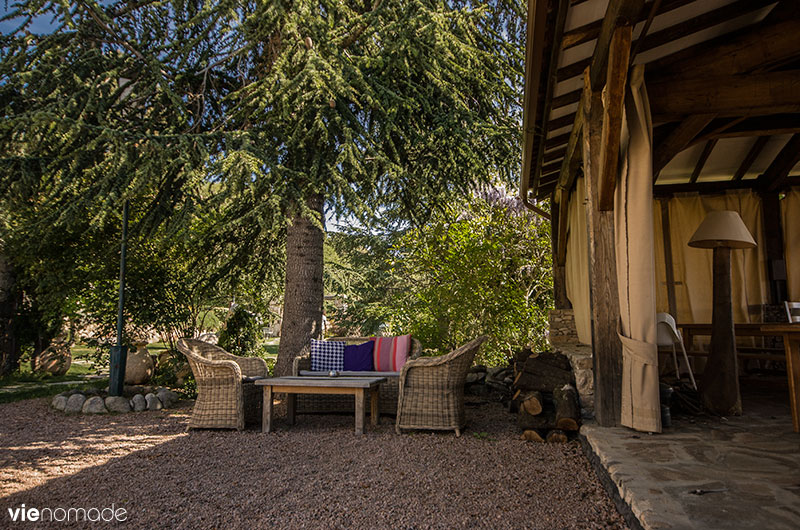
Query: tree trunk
x,y
302,299
9,346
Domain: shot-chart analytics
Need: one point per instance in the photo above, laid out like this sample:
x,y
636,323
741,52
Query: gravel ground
x,y
316,474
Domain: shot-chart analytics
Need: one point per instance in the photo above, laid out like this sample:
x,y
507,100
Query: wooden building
x,y
641,117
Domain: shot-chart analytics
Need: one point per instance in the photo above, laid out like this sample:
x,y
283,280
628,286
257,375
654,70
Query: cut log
x,y
549,358
568,411
556,436
531,402
531,436
546,420
544,380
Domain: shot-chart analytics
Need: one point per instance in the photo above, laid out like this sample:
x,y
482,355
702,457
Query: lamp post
x,y
722,231
119,353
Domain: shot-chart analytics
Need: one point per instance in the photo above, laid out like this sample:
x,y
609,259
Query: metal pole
x,y
119,353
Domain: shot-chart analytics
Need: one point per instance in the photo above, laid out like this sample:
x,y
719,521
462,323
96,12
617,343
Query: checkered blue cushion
x,y
327,355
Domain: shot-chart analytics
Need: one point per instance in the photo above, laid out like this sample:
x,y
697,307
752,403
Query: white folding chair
x,y
668,335
793,311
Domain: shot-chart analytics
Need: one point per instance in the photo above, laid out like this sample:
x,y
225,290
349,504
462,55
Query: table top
x,y
786,327
322,382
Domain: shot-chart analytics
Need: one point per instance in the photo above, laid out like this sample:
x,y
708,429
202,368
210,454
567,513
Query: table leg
x,y
374,400
266,414
360,412
291,406
792,345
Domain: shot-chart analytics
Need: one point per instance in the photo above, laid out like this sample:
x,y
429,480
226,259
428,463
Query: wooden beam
x,y
606,346
773,246
562,197
714,188
555,154
774,178
618,13
560,17
702,160
589,32
736,95
772,125
751,156
558,219
701,22
556,141
668,262
569,164
677,140
740,54
534,54
616,80
566,99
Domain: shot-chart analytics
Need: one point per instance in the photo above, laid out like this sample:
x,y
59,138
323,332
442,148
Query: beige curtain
x,y
693,267
633,224
791,242
577,263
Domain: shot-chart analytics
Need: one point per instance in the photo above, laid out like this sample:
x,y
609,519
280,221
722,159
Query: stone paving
x,y
709,473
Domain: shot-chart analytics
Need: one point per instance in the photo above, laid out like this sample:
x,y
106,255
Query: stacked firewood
x,y
545,397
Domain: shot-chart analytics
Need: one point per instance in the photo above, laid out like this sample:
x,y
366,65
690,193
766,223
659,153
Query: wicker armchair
x,y
321,403
226,394
432,390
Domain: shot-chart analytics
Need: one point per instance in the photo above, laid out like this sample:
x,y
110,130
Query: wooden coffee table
x,y
293,385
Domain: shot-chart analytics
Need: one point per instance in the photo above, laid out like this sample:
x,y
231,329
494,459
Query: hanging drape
x,y
576,268
790,206
633,224
692,267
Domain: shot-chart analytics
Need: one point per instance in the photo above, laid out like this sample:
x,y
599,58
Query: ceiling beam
x,y
615,82
534,55
716,187
758,126
751,156
698,168
774,178
618,13
557,26
734,96
677,140
589,32
757,48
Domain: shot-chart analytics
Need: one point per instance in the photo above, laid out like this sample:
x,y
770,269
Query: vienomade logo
x,y
59,515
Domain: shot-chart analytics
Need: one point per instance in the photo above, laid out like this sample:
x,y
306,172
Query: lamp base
x,y
720,387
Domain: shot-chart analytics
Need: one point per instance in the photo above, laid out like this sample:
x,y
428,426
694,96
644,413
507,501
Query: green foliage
x,y
217,120
241,333
483,269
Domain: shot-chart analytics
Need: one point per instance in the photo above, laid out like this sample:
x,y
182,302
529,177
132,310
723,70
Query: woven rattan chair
x,y
227,396
322,403
432,390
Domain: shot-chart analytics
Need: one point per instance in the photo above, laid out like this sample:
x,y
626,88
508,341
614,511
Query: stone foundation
x,y
562,327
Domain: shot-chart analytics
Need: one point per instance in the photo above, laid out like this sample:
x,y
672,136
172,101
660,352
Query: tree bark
x,y
9,346
303,295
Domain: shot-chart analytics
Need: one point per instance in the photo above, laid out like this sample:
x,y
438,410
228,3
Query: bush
x,y
241,333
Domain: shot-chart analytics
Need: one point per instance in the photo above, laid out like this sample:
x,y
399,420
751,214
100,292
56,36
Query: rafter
x,y
759,126
778,172
734,96
701,162
677,140
751,156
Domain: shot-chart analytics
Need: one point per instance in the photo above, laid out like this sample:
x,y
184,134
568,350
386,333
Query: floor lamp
x,y
722,231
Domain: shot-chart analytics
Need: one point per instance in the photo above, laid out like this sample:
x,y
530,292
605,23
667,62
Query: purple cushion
x,y
358,357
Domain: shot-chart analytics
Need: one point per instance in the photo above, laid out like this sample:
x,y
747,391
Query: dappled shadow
x,y
317,473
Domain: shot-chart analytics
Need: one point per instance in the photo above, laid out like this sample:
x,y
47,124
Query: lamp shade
x,y
722,228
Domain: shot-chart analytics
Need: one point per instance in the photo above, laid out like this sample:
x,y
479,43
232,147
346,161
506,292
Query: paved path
x,y
739,472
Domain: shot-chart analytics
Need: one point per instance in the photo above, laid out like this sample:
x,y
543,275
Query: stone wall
x,y
562,327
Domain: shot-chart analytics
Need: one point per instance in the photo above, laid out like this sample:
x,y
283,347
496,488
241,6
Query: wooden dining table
x,y
791,340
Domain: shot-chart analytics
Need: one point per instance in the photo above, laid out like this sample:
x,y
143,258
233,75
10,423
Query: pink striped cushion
x,y
391,353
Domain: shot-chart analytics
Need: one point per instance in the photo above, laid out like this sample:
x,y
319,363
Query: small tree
x,y
481,269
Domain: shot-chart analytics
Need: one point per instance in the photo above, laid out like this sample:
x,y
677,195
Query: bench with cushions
x,y
313,403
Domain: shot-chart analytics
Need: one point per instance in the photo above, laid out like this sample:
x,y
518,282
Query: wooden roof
x,y
723,79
